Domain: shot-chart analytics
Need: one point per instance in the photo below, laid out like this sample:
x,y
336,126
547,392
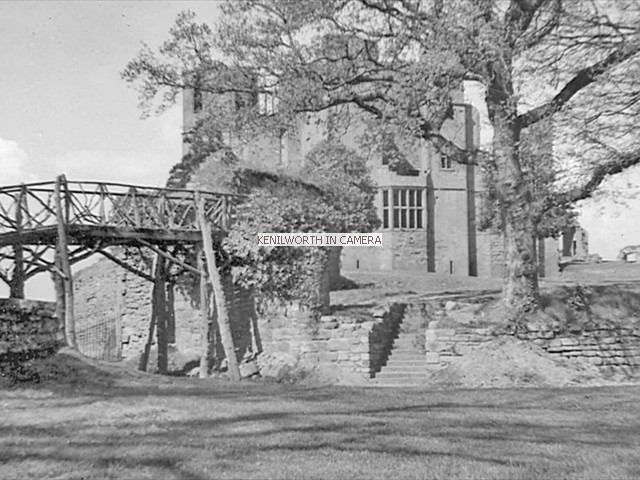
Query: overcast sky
x,y
64,108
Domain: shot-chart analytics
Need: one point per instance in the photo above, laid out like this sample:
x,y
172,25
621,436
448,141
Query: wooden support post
x,y
160,303
63,251
136,212
218,293
224,219
171,312
121,288
16,285
58,283
144,357
216,354
204,315
102,208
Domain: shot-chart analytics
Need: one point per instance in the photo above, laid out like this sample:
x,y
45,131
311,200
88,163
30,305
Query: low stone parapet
x,y
28,328
607,347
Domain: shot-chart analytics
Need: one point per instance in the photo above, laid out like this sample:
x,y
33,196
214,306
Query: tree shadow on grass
x,y
466,432
162,464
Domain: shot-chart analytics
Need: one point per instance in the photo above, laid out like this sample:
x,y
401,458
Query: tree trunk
x,y
520,287
520,282
218,293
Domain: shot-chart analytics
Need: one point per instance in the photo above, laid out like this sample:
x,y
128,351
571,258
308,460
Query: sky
x,y
65,109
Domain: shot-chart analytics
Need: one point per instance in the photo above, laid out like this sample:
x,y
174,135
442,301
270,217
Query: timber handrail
x,y
31,206
186,191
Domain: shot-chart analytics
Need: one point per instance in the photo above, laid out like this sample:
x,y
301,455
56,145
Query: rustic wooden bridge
x,y
48,226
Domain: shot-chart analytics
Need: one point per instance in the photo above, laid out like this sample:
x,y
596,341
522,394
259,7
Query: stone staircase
x,y
406,365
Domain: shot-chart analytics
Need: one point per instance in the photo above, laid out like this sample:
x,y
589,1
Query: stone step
x,y
402,369
416,372
417,363
406,365
407,355
402,379
407,359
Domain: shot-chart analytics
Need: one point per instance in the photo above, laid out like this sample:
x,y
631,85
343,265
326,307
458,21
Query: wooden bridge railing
x,y
43,219
33,206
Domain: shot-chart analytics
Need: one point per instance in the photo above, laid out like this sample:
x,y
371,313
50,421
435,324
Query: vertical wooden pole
x,y
121,288
58,283
216,355
144,357
63,250
102,208
224,218
171,312
136,212
160,302
16,286
218,293
204,315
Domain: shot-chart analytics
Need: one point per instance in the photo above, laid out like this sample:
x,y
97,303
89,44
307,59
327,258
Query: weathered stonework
x,y
609,348
355,342
112,300
28,328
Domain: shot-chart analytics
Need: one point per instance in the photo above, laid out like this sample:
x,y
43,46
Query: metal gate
x,y
100,340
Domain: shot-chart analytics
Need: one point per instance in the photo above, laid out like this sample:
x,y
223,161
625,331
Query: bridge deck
x,y
115,236
93,216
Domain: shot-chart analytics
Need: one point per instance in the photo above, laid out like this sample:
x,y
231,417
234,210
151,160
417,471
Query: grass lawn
x,y
187,429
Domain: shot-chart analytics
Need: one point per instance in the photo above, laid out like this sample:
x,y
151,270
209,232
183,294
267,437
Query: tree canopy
x,y
333,193
573,63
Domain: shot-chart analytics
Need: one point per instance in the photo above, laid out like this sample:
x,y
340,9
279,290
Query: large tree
x,y
399,62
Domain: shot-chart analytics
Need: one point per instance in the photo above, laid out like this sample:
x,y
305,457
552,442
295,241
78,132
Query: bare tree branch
x,y
617,164
582,79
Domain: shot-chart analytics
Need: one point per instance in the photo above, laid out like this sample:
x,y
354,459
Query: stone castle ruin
x,y
428,208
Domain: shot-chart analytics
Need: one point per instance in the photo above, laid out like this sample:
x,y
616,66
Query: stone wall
x,y
442,344
409,250
355,341
28,328
99,310
350,341
107,295
608,347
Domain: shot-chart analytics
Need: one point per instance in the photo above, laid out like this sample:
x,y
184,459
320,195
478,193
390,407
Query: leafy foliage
x,y
401,62
551,211
336,196
347,185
